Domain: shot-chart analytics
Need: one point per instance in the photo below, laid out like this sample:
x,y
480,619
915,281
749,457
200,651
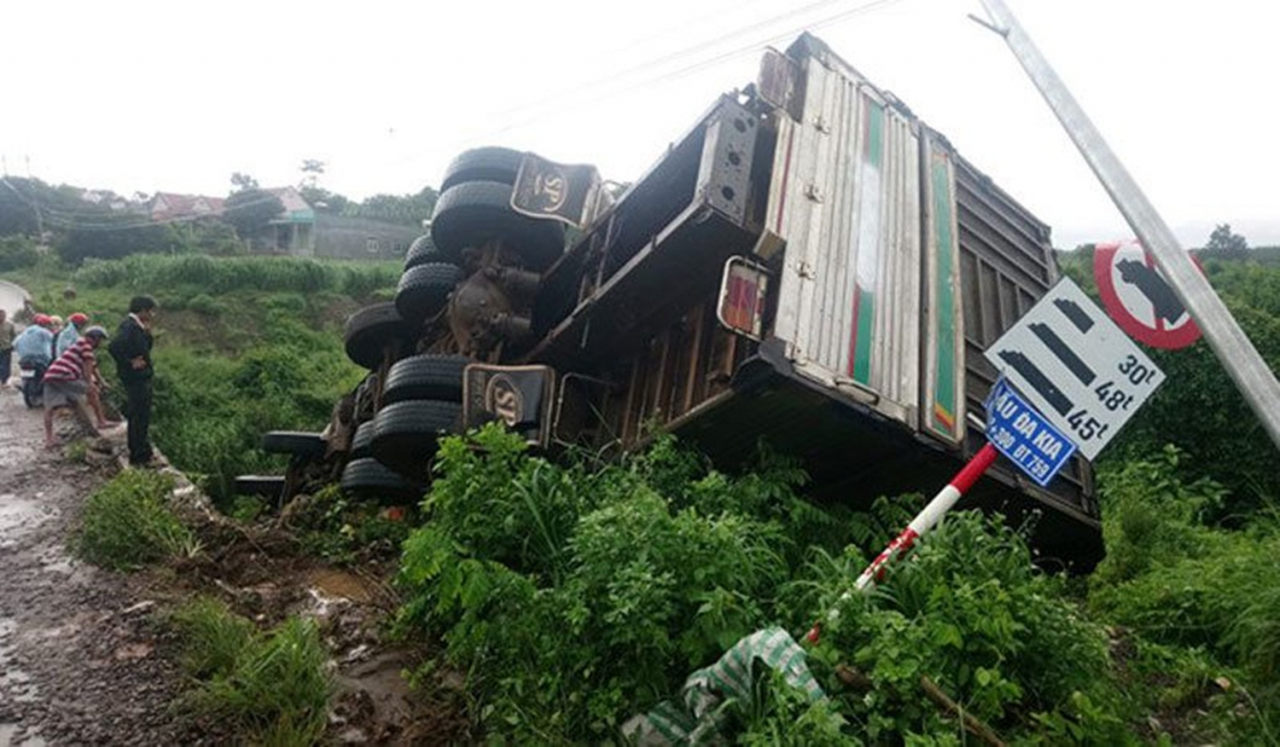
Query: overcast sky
x,y
175,96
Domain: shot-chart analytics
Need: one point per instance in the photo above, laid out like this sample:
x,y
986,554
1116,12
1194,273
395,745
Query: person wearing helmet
x,y
35,344
72,380
70,333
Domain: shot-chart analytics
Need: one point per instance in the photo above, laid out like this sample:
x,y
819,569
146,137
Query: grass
x,y
273,687
127,523
243,346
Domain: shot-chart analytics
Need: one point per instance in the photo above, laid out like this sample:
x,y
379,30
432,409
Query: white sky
x,y
175,96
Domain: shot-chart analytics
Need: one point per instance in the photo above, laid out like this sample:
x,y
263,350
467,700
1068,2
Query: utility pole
x,y
1237,354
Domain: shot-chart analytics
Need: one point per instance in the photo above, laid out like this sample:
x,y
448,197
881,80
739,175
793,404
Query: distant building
x,y
168,206
302,232
299,230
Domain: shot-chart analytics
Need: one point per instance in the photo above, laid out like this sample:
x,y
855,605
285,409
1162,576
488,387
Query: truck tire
x,y
470,213
421,251
267,486
370,330
424,290
368,478
405,434
361,441
294,442
483,165
437,377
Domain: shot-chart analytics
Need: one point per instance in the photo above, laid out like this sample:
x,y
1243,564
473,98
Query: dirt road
x,y
11,297
78,659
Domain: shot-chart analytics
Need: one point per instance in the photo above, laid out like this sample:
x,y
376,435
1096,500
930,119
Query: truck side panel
x,y
1007,264
846,198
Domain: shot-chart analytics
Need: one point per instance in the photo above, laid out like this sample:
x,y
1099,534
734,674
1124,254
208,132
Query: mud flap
x,y
520,396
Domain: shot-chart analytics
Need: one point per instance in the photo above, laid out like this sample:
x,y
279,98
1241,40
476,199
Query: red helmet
x,y
78,318
42,319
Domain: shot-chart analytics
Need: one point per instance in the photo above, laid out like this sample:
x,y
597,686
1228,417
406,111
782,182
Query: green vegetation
x,y
127,523
273,687
346,531
244,345
574,595
17,252
577,596
1198,409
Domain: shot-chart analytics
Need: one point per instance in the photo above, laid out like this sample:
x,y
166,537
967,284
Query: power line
x,y
72,221
549,106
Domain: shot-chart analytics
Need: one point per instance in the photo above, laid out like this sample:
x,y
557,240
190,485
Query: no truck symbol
x,y
1139,299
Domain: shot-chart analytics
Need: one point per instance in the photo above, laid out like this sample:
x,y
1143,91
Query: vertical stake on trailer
x,y
1235,352
924,521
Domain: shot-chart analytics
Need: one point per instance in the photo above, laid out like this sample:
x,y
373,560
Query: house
x,y
169,206
301,231
293,231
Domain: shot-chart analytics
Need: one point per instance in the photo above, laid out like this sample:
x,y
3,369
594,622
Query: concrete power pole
x,y
1234,350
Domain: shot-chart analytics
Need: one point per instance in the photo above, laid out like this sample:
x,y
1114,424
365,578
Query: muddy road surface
x,y
78,646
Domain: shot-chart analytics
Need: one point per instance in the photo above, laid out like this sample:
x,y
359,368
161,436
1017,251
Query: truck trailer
x,y
809,264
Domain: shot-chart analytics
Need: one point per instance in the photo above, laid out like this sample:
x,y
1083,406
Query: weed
x,y
344,531
127,523
78,451
213,638
274,686
247,508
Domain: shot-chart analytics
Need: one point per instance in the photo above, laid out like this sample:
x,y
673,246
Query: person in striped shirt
x,y
72,379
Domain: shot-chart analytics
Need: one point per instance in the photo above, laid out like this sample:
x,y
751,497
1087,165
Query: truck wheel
x,y
470,213
483,165
437,377
370,330
268,486
368,478
405,434
294,442
421,251
361,441
424,290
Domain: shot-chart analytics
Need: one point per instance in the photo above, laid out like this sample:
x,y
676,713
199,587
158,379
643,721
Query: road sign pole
x,y
924,521
1234,350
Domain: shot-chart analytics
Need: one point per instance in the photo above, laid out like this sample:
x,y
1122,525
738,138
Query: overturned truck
x,y
809,264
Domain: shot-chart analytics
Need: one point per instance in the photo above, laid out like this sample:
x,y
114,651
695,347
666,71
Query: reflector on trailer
x,y
743,290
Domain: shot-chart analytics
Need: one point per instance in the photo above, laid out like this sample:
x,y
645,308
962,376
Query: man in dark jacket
x,y
131,350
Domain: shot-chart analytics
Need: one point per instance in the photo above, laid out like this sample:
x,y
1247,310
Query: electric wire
x,y
71,221
550,107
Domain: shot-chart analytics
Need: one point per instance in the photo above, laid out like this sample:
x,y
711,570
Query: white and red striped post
x,y
924,521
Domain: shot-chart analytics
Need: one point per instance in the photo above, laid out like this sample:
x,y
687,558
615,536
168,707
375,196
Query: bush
x,y
601,591
273,687
1177,582
970,611
112,236
211,411
221,275
127,523
17,252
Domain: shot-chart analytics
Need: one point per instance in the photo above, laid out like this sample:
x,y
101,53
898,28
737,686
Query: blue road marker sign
x,y
1024,435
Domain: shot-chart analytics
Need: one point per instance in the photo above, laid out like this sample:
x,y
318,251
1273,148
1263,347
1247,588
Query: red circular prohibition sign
x,y
1137,308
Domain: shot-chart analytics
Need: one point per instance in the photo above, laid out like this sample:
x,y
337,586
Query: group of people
x,y
66,356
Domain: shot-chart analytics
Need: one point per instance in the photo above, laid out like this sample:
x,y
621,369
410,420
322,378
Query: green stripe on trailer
x,y
943,416
867,247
